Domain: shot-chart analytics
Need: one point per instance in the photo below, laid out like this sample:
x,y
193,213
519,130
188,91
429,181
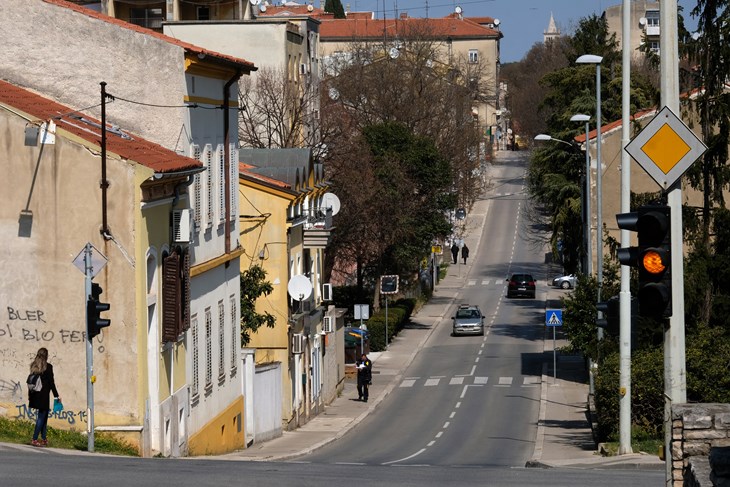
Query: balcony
x,y
652,30
317,227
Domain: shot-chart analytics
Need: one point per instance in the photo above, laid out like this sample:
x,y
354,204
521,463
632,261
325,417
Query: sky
x,y
522,21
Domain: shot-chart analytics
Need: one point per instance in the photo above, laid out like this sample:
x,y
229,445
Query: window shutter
x,y
197,190
209,179
170,297
185,293
234,182
221,182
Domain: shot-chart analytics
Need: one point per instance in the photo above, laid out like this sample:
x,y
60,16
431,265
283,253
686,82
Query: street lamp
x,y
579,117
593,59
547,137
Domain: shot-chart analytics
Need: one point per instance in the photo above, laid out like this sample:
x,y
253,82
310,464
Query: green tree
x,y
253,286
335,7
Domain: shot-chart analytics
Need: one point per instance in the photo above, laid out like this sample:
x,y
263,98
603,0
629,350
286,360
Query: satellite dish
x,y
262,8
497,22
334,94
330,200
310,7
642,21
254,2
458,10
299,287
394,53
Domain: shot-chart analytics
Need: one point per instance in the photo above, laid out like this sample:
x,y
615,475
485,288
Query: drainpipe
x,y
227,157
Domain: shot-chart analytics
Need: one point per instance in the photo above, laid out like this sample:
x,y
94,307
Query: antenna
x,y
262,8
330,200
299,287
254,2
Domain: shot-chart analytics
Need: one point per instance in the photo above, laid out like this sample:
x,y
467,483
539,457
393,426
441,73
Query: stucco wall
x,y
43,295
65,55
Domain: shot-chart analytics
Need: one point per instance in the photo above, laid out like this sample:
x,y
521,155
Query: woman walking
x,y
39,400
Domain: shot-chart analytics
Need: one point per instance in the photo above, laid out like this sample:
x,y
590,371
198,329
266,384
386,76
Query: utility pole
x,y
625,292
675,378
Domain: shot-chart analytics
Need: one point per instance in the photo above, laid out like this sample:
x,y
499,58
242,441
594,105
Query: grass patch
x,y
21,431
641,442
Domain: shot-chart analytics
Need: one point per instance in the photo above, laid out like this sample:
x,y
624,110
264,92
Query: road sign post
x,y
554,318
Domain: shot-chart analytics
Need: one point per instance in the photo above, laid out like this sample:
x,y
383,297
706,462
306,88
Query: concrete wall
x,y
614,18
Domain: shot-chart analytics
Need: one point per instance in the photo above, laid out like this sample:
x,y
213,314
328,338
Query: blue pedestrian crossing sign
x,y
553,317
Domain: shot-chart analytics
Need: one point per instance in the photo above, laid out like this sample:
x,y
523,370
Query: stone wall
x,y
700,444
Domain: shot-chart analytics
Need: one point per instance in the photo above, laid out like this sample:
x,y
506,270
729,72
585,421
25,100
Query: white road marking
x,y
406,458
480,380
456,381
408,382
432,382
505,381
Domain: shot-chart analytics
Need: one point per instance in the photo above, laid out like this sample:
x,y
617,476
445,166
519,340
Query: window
x,y
221,341
197,189
203,13
221,151
196,354
473,56
150,18
209,182
652,18
234,335
654,46
208,349
175,294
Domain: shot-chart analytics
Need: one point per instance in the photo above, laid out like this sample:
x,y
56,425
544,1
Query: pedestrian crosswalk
x,y
524,381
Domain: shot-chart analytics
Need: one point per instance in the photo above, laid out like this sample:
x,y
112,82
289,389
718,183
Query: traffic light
x,y
94,308
610,321
652,257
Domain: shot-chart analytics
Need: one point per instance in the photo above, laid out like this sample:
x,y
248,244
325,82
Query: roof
x,y
291,166
611,126
448,27
248,65
248,171
126,145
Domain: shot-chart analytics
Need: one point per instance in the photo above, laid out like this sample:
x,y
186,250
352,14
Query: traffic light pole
x,y
675,380
89,353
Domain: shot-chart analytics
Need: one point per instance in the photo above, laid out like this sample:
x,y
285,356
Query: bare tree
x,y
277,110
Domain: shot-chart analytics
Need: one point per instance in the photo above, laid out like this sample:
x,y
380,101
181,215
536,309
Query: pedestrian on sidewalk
x,y
455,253
364,377
464,253
39,400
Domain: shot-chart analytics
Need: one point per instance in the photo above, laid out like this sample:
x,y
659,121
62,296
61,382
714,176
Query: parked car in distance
x,y
468,320
565,282
521,285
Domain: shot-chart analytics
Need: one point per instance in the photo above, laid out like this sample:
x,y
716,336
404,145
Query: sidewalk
x,y
564,437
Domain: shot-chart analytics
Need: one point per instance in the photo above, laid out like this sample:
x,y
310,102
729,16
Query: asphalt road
x,y
469,401
28,467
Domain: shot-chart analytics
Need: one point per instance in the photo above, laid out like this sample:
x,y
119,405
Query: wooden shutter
x,y
185,292
170,297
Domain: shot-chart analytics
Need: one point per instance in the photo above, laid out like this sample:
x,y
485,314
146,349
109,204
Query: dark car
x,y
468,320
521,285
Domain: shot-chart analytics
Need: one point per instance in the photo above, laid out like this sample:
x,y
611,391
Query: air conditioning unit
x,y
297,343
181,226
303,68
328,324
326,292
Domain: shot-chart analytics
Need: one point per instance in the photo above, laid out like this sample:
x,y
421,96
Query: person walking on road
x,y
364,377
464,253
39,400
455,253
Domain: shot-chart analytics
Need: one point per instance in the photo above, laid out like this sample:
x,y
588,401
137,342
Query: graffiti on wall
x,y
28,326
71,417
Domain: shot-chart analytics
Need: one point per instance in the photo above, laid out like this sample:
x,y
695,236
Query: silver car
x,y
565,282
468,320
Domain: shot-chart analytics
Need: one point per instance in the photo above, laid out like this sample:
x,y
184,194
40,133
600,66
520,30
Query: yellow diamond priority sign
x,y
665,148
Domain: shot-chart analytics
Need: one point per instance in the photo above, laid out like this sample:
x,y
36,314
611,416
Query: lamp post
x,y
593,59
579,117
585,207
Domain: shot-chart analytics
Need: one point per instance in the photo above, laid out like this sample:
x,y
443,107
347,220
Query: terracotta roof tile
x,y
453,27
126,25
136,149
246,171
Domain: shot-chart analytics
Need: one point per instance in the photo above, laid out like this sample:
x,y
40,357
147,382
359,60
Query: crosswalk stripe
x,y
485,282
432,382
472,282
531,381
505,381
408,383
481,380
456,381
